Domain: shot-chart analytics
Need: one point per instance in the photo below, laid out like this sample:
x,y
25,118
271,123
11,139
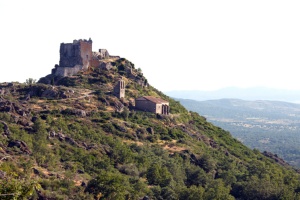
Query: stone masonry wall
x,y
150,106
146,106
67,71
86,53
76,53
119,89
70,55
78,56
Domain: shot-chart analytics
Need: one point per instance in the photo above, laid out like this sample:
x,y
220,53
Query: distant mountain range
x,y
266,125
256,93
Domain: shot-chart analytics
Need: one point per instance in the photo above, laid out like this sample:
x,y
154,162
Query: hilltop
x,y
76,136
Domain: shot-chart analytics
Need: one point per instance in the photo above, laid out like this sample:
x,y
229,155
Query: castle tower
x,y
77,53
119,89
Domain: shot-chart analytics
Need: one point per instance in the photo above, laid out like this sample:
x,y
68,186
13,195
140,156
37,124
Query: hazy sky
x,y
179,45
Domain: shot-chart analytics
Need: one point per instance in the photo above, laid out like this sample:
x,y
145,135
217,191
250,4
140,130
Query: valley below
x,y
272,126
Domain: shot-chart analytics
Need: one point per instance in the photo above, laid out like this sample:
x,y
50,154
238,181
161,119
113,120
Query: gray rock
x,y
80,113
36,171
49,94
150,130
2,174
106,66
6,129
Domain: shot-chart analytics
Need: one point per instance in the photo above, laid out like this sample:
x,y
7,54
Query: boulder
x,y
71,141
50,94
80,113
106,66
150,130
19,144
24,122
2,91
146,198
2,174
36,171
52,134
33,119
6,129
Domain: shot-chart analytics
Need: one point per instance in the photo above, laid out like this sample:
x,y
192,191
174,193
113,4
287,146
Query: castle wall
x,y
70,55
95,63
103,54
67,71
79,55
86,53
98,56
76,53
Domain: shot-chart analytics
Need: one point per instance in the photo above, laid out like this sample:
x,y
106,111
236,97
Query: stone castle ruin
x,y
78,56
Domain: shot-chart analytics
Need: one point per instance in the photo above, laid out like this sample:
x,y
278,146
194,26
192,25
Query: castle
x,y
78,56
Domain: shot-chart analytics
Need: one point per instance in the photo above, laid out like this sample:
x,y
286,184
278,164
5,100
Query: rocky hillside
x,y
71,138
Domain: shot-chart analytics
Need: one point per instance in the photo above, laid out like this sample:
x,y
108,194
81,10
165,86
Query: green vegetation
x,y
73,143
30,81
270,126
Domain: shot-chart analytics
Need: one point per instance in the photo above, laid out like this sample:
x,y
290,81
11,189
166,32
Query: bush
x,y
158,175
110,185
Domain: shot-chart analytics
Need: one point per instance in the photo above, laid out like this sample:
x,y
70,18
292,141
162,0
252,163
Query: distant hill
x,y
266,125
256,93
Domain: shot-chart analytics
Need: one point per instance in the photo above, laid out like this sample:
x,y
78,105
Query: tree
x,y
192,193
206,163
11,188
110,185
40,141
218,191
196,176
157,175
125,113
153,174
30,81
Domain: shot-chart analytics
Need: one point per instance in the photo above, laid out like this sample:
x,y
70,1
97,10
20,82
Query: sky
x,y
179,45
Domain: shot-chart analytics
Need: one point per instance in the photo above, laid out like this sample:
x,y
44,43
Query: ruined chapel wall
x,y
158,108
146,106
